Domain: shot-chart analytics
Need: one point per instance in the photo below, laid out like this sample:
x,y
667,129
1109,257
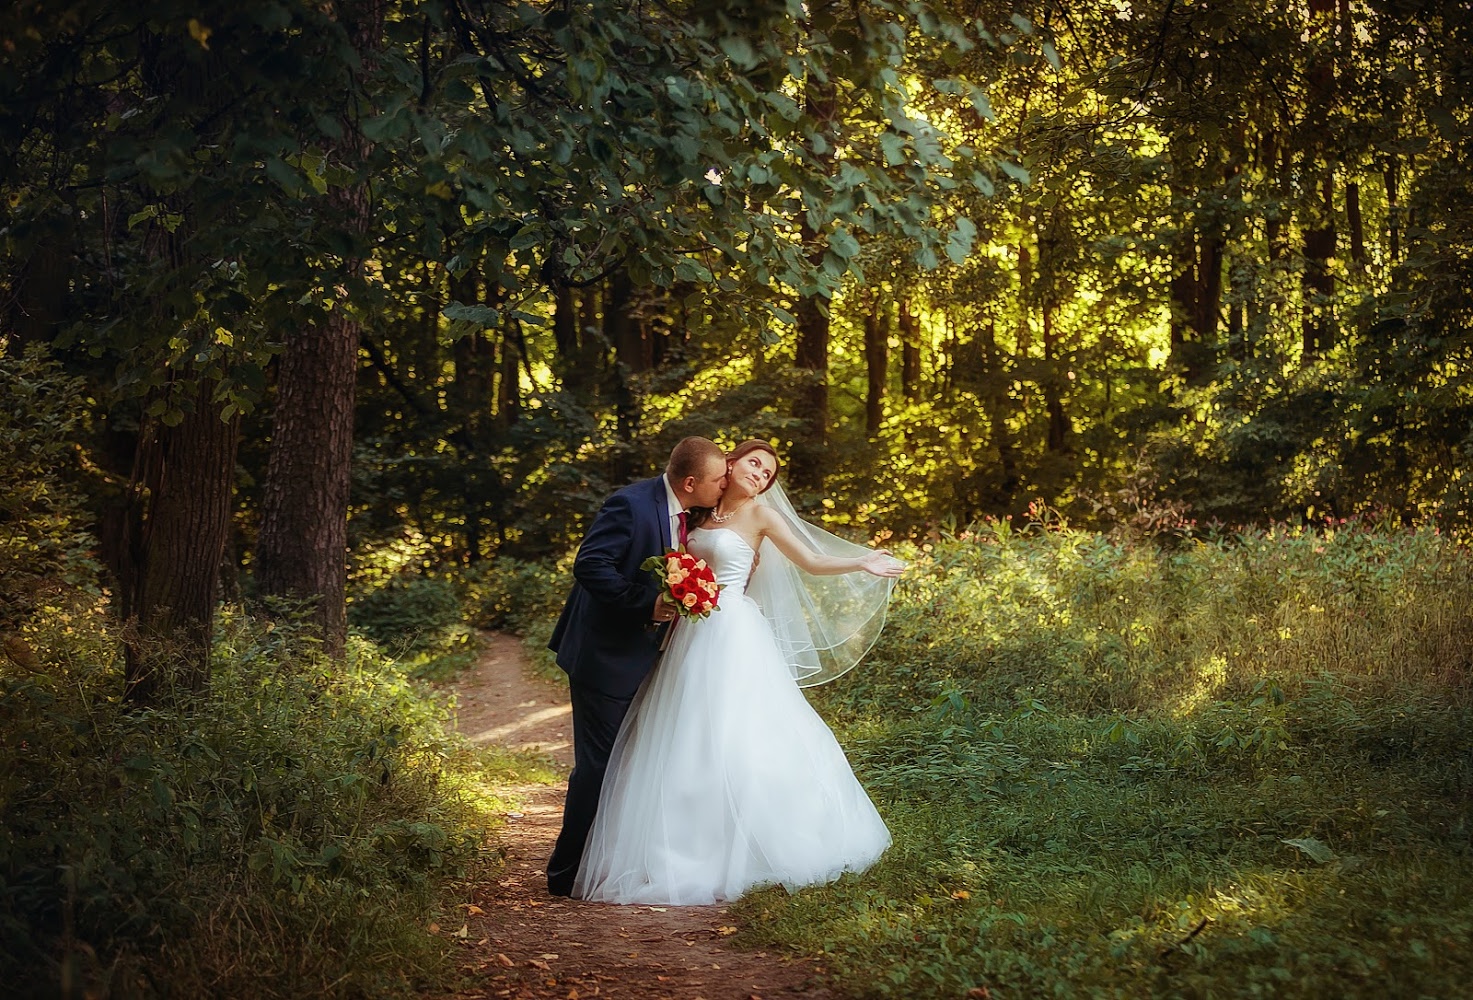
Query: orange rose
x,y
689,600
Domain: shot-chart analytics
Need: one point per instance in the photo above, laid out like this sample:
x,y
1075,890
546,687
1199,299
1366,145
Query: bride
x,y
722,777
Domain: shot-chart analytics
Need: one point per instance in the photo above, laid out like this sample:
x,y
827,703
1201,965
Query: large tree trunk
x,y
616,323
877,365
303,545
173,539
809,460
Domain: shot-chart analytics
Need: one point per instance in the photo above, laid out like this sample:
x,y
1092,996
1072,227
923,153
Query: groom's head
x,y
697,472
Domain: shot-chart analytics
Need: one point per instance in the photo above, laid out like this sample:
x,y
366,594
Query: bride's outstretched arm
x,y
878,562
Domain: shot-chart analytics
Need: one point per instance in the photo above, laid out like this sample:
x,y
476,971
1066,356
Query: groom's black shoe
x,y
560,886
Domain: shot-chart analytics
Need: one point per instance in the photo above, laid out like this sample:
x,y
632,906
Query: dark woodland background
x,y
331,311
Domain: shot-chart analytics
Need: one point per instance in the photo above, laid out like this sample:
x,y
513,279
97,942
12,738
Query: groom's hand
x,y
664,610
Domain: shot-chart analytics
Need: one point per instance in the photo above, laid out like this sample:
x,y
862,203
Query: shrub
x,y
288,832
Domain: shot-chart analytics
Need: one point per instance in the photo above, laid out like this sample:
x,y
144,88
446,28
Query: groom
x,y
607,638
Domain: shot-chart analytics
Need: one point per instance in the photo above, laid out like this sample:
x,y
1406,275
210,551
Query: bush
x,y
1234,767
45,560
288,832
521,598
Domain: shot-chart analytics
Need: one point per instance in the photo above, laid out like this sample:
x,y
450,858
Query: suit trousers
x,y
596,720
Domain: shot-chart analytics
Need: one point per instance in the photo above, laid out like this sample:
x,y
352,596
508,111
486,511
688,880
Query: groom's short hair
x,y
691,457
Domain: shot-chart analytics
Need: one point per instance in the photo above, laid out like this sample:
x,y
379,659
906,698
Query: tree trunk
x,y
1183,289
995,396
173,540
623,328
877,365
1393,209
1317,283
1357,230
1209,290
509,385
910,352
303,545
565,338
1058,420
809,460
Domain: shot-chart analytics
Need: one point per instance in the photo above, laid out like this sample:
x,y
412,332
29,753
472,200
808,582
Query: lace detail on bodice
x,y
727,553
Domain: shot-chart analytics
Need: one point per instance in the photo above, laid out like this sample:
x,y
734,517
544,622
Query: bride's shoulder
x,y
765,517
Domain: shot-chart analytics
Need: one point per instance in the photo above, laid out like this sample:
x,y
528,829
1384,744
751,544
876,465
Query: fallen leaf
x,y
537,963
979,993
663,979
464,932
658,909
434,928
473,910
548,957
503,961
726,931
961,894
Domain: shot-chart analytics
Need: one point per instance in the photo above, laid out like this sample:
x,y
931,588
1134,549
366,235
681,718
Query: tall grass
x,y
290,832
1236,766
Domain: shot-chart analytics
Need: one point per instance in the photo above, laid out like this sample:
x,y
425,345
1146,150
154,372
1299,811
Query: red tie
x,y
684,532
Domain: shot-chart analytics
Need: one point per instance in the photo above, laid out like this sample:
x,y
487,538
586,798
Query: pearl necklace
x,y
723,518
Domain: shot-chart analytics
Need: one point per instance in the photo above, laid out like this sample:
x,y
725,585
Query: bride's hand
x,y
882,563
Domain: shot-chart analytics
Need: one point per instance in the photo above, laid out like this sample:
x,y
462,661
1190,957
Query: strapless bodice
x,y
728,555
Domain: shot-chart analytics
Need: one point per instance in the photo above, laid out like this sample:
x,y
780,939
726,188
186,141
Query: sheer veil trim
x,y
824,625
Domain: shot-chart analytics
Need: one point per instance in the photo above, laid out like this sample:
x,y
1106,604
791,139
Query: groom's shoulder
x,y
643,488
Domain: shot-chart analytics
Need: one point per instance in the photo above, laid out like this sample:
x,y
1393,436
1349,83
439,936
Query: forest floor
x,y
524,944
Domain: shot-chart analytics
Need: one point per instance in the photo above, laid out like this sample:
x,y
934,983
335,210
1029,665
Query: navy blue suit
x,y
605,645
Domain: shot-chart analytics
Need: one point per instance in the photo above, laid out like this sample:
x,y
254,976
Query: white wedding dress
x,y
723,777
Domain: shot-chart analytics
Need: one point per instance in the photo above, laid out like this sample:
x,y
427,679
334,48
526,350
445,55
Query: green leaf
x,y
959,240
1318,851
476,314
781,314
983,105
1014,171
893,147
842,243
137,218
739,51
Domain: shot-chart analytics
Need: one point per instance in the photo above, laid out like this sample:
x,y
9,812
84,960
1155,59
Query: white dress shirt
x,y
675,507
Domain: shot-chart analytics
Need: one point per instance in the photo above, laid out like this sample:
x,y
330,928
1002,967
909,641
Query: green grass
x,y
291,832
1093,754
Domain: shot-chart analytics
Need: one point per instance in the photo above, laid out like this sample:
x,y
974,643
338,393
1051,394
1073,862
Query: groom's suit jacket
x,y
601,639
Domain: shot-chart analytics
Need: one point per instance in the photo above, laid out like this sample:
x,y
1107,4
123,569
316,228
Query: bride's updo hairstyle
x,y
700,515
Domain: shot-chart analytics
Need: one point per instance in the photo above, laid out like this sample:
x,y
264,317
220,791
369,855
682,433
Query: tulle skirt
x,y
723,778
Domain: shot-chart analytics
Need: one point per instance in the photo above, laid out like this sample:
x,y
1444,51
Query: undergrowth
x,y
290,832
1229,767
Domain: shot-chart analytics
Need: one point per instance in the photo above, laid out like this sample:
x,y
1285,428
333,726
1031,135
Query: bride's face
x,y
750,474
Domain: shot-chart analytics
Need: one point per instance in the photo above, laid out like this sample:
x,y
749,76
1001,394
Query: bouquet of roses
x,y
687,581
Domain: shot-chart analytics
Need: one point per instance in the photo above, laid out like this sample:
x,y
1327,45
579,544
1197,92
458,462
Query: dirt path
x,y
539,946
